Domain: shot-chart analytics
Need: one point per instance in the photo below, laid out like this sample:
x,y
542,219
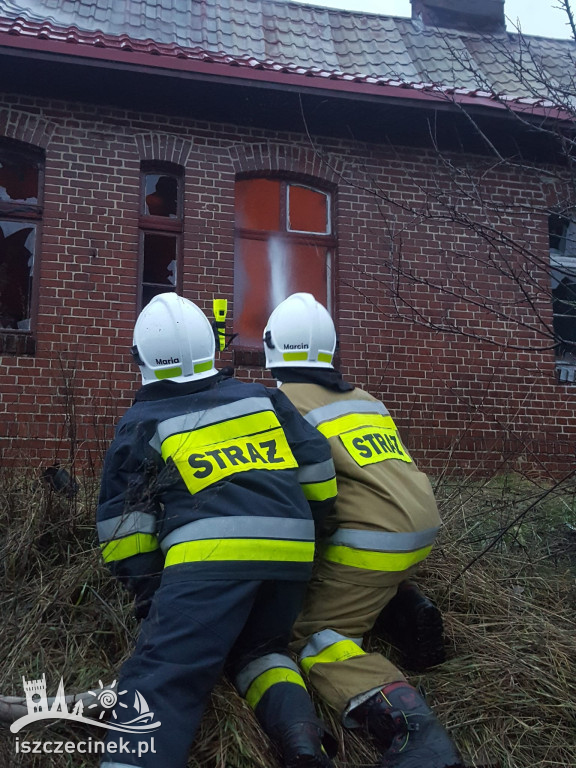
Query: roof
x,y
291,39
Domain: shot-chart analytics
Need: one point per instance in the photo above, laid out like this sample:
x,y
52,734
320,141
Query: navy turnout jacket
x,y
219,475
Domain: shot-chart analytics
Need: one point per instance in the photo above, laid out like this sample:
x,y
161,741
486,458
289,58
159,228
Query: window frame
x,y
248,355
565,363
21,341
160,225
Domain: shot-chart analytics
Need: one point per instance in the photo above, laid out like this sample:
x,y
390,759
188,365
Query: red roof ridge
x,y
72,35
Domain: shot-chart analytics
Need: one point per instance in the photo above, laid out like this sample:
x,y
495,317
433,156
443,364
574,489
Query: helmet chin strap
x,y
136,355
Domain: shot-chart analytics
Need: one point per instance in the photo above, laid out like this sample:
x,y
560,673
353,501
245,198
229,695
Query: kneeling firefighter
x,y
383,524
209,497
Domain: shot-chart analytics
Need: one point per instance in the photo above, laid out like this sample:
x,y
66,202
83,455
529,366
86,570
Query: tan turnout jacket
x,y
380,488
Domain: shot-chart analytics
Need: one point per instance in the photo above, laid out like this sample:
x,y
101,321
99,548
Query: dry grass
x,y
506,692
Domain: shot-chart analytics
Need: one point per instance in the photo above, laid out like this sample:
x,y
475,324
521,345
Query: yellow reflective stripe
x,y
201,367
341,651
320,491
324,357
168,373
119,549
241,549
375,561
342,424
269,678
371,445
207,455
289,356
242,426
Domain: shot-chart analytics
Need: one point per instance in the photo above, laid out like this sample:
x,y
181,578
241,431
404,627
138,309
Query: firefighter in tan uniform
x,y
383,525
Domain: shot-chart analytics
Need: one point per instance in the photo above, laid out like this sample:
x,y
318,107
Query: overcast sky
x,y
537,17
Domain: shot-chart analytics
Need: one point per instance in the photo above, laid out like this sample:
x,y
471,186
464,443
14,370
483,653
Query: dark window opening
x,y
161,227
562,234
20,212
564,309
284,244
160,264
19,181
161,195
16,270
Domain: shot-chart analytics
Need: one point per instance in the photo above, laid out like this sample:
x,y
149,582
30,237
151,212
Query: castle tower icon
x,y
35,691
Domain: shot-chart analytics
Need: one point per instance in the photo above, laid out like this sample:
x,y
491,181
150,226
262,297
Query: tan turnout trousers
x,y
383,524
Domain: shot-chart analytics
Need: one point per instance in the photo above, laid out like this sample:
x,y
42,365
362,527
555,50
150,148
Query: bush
x,y
503,573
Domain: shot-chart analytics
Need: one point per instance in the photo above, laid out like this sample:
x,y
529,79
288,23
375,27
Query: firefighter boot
x,y
407,730
414,625
301,747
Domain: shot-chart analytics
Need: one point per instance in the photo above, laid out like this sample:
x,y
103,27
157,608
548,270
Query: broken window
x,y
284,244
562,231
160,231
20,212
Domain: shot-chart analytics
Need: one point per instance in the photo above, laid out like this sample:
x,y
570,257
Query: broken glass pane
x,y
18,181
161,195
16,268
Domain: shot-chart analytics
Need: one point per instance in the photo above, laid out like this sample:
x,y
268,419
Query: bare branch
x,y
14,707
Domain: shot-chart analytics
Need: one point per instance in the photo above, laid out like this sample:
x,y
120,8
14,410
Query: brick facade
x,y
469,379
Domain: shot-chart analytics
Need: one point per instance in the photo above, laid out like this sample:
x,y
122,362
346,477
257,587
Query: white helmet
x,y
299,332
173,339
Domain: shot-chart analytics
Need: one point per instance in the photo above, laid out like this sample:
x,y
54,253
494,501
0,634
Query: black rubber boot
x,y
413,624
301,747
407,730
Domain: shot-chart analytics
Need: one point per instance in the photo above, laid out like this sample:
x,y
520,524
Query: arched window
x,y
160,230
21,170
284,244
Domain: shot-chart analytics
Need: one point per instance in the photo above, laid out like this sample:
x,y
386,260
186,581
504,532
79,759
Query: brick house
x,y
406,171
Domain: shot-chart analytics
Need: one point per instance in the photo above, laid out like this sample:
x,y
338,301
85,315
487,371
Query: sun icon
x,y
106,699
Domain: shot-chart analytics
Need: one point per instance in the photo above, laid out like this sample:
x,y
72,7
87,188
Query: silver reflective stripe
x,y
348,719
344,408
316,473
382,541
187,422
254,669
126,525
324,639
248,527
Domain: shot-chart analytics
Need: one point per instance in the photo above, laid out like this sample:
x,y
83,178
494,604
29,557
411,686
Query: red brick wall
x,y
471,386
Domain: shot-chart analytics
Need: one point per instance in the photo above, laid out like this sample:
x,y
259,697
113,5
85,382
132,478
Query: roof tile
x,y
292,37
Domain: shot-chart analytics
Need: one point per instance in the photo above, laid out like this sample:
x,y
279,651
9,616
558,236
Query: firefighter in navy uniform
x,y
382,525
210,494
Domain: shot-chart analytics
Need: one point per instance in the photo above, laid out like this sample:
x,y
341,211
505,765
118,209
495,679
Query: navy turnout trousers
x,y
195,630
